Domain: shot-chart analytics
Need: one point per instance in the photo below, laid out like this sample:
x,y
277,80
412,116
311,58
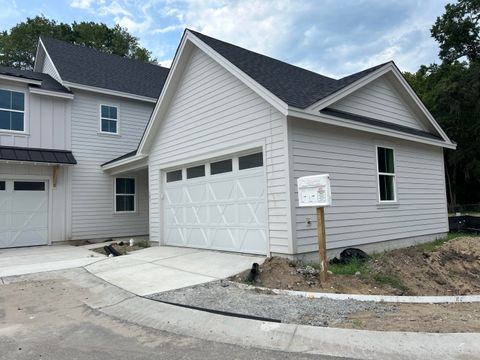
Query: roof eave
x,y
72,85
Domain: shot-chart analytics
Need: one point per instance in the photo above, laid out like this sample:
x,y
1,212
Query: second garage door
x,y
217,205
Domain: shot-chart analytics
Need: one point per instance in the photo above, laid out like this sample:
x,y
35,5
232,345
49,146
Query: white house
x,y
230,133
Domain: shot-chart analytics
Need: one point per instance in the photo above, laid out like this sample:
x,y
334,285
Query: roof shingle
x,y
48,83
52,156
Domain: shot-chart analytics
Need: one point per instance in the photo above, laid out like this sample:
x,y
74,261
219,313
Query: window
x,y
174,175
124,195
12,110
386,174
250,161
196,171
221,167
2,185
109,119
29,186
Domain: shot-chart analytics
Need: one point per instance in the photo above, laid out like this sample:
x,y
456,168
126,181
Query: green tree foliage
x,y
19,44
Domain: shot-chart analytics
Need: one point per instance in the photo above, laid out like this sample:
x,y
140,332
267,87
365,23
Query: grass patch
x,y
347,269
432,246
392,280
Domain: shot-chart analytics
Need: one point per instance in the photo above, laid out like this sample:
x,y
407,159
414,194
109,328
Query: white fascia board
x,y
20,79
72,85
51,93
332,120
47,55
123,162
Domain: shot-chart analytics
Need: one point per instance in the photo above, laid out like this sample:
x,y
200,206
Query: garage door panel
x,y
252,213
196,193
223,214
252,240
223,190
197,237
174,195
175,236
251,188
175,216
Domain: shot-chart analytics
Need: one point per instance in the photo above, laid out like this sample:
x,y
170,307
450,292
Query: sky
x,y
332,37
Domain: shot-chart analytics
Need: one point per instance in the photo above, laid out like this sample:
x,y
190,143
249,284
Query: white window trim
x,y
115,195
117,120
24,112
394,175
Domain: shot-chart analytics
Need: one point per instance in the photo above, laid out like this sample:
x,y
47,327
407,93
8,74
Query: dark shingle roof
x,y
86,66
379,123
295,86
124,156
52,156
48,83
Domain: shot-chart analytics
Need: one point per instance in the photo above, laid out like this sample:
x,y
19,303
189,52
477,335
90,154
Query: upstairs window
x,y
386,174
12,110
108,119
125,195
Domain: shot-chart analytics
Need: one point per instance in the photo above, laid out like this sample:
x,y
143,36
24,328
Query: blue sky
x,y
333,37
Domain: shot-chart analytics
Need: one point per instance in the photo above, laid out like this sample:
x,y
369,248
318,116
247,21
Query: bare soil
x,y
451,268
123,249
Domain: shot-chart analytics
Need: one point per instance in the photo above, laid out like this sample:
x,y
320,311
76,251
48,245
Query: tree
x,y
19,44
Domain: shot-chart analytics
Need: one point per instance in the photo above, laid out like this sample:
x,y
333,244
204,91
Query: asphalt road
x,y
46,319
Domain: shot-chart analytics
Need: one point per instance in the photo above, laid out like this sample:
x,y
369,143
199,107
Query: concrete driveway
x,y
143,272
163,268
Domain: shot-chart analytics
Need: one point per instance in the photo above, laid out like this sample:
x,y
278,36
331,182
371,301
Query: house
x,y
216,163
233,130
78,109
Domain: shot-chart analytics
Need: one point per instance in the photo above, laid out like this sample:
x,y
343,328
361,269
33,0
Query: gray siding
x,y
92,190
380,100
356,217
49,69
213,111
47,121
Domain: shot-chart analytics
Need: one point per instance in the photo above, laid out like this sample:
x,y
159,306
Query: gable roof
x,y
47,82
297,87
86,66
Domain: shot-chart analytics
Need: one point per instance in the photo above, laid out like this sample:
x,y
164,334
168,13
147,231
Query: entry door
x,y
217,205
23,213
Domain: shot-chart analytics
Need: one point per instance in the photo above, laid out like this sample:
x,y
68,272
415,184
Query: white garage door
x,y
23,213
217,205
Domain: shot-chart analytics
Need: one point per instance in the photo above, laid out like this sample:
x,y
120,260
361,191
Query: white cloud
x,y
114,8
82,4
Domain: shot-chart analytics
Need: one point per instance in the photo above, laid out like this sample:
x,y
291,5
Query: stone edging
x,y
373,298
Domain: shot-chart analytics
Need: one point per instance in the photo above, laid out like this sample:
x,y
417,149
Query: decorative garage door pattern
x,y
23,213
225,211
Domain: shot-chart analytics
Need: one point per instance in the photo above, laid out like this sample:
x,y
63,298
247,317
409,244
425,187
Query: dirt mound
x,y
451,268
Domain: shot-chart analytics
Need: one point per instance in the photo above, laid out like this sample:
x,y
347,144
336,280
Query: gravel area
x,y
227,296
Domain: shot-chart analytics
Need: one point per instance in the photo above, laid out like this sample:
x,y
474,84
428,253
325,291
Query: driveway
x,y
143,272
163,268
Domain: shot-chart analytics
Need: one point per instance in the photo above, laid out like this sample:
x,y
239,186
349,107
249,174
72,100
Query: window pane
x,y
17,121
109,126
5,99
125,186
385,160
2,185
28,186
113,112
196,171
18,101
125,203
220,167
5,120
105,111
250,161
387,188
174,175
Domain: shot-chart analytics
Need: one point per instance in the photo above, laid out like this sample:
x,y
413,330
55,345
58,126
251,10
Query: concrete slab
x,y
162,252
114,263
210,263
149,278
30,260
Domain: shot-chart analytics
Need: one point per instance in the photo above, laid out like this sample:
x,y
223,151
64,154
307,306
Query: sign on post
x,y
314,191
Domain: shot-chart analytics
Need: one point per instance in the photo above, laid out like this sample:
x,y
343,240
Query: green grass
x,y
392,280
431,246
347,269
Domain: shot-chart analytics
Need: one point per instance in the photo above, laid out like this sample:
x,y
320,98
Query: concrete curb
x,y
372,298
358,344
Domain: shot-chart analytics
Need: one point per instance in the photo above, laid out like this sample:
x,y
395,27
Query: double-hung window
x,y
12,110
108,119
125,196
386,174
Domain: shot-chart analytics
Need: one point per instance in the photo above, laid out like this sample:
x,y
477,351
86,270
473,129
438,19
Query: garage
x,y
23,213
218,205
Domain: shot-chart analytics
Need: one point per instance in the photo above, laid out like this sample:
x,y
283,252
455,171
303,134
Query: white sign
x,y
314,191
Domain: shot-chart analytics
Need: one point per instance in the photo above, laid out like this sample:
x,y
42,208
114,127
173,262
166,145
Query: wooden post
x,y
322,244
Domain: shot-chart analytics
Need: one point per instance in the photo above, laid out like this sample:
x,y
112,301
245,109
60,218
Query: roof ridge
x,y
103,53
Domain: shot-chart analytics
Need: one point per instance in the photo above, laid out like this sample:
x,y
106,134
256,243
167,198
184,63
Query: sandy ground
x,y
450,269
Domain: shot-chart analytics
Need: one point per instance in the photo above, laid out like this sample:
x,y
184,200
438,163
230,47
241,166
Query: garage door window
x,y
2,185
29,186
221,167
125,195
12,110
250,161
174,176
196,171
